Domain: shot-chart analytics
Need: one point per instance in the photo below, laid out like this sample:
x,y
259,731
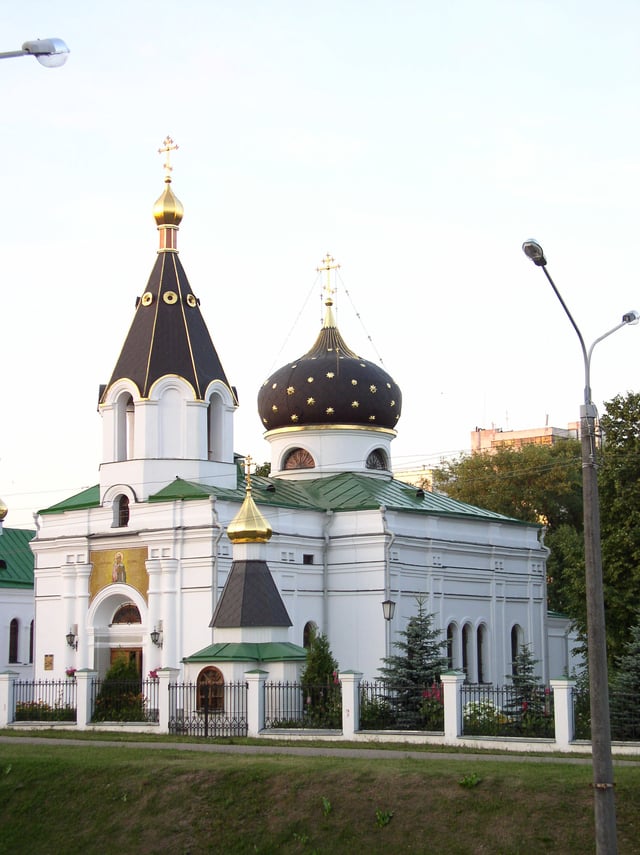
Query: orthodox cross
x,y
247,469
167,147
328,265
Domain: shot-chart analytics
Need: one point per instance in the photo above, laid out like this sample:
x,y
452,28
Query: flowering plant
x,y
153,674
70,672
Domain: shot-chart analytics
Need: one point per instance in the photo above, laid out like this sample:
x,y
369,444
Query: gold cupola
x,y
4,510
168,210
248,525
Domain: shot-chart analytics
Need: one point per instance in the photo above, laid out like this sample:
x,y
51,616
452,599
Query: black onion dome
x,y
330,384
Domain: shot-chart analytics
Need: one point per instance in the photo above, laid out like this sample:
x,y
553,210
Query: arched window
x,y
309,633
215,428
451,639
31,643
466,651
127,613
14,630
123,511
377,460
124,427
516,643
210,689
298,458
482,652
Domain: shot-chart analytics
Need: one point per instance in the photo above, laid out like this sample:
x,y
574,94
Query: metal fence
x,y
624,711
45,700
124,700
293,705
195,710
508,711
384,706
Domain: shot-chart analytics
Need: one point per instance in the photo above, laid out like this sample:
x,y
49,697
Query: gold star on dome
x,y
388,385
372,418
355,404
275,408
354,382
290,390
309,379
373,388
330,411
274,386
330,375
311,401
392,404
294,418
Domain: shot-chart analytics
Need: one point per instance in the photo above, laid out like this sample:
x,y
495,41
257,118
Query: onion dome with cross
x,y
329,387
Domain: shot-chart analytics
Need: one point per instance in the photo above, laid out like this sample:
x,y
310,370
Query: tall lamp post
x,y
604,803
51,53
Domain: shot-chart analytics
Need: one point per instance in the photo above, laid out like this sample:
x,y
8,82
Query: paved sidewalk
x,y
310,751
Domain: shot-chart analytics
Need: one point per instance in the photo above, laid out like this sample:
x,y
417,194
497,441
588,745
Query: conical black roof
x,y
250,598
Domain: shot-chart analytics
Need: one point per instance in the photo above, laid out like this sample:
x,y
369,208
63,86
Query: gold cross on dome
x,y
328,265
247,469
167,147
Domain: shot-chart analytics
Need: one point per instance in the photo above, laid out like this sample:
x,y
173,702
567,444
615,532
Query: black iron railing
x,y
197,712
45,700
295,705
124,700
508,711
388,707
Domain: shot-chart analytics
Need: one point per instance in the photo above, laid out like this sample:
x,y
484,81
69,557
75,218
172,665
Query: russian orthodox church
x,y
180,558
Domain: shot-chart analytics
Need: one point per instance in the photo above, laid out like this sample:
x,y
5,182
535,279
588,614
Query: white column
x,y
350,683
85,654
255,701
563,711
452,683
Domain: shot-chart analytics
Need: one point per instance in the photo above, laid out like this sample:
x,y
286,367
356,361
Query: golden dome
x,y
168,210
248,525
4,510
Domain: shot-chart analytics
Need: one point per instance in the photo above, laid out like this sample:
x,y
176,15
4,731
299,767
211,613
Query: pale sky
x,y
420,143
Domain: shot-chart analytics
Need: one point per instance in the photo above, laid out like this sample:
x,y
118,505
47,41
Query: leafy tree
x,y
263,469
619,487
419,662
120,697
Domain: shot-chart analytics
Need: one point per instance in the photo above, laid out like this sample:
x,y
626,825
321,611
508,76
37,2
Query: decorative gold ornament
x,y
170,298
330,411
274,385
294,418
290,390
354,382
147,298
355,404
372,418
311,401
309,379
373,388
191,301
330,375
274,408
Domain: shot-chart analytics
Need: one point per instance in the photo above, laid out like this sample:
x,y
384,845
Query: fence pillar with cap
x,y
350,683
255,700
165,677
7,701
563,711
84,686
451,684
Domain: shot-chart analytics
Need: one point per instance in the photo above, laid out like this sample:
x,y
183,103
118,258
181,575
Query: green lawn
x,y
65,799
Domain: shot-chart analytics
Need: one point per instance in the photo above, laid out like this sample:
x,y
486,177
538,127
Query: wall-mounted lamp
x,y
72,637
156,636
388,609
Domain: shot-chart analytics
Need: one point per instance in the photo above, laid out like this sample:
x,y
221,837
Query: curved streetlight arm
x,y
51,53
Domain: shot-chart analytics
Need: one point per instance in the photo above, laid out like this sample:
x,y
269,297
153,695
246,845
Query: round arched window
x,y
127,613
377,460
210,689
298,458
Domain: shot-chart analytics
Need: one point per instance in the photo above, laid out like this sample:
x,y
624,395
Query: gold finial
x,y
248,525
247,471
167,147
328,265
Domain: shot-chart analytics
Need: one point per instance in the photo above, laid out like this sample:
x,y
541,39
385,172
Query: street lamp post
x,y
51,53
604,803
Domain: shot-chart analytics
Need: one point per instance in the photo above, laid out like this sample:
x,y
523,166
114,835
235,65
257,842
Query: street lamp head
x,y
631,317
533,250
51,53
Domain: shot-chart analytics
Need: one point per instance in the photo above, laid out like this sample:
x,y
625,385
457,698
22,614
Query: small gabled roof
x,y
16,558
246,651
89,498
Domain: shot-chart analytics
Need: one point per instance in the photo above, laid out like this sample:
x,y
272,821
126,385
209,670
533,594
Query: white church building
x,y
141,563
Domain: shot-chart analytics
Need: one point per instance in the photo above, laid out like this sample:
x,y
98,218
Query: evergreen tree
x,y
320,685
419,662
529,705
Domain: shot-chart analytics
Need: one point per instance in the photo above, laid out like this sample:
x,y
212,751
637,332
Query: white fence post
x,y
563,711
165,677
84,684
255,701
452,683
350,683
7,705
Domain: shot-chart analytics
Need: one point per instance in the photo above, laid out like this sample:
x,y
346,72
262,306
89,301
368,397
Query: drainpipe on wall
x,y
325,572
216,534
389,538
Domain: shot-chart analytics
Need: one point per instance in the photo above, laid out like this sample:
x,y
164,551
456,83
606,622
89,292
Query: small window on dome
x,y
377,460
299,459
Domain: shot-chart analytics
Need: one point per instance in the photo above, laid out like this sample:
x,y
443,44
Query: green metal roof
x,y
343,492
16,558
89,498
267,651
